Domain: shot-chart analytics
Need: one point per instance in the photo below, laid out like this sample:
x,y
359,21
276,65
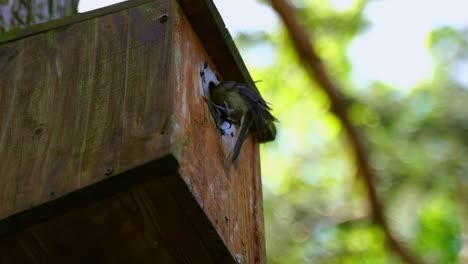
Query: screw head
x,y
163,18
109,171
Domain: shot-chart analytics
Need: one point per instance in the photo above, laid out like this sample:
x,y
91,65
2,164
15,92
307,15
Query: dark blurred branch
x,y
305,49
16,14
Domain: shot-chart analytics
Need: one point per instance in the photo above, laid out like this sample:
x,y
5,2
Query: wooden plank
x,y
79,107
141,223
21,130
230,194
104,129
8,98
44,115
148,94
81,198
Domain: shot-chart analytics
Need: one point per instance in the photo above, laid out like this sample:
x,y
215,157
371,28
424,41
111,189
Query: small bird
x,y
239,104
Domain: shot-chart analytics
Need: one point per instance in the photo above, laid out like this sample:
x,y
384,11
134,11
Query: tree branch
x,y
305,49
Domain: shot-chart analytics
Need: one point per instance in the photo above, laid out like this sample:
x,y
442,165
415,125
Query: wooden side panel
x,y
82,103
230,194
149,97
106,90
144,224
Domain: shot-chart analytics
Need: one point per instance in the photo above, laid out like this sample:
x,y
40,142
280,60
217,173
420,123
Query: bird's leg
x,y
218,107
225,112
228,110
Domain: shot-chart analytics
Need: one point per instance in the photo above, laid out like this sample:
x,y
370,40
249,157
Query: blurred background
x,y
403,66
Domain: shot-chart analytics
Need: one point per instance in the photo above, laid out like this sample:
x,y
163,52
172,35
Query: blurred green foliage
x,y
315,206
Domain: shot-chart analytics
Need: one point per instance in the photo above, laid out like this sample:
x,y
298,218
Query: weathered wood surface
x,y
81,103
144,224
229,193
84,102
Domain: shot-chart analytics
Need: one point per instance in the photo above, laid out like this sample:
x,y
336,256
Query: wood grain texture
x,y
230,194
91,101
142,224
81,103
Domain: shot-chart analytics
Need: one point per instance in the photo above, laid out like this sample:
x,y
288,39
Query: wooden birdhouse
x,y
108,150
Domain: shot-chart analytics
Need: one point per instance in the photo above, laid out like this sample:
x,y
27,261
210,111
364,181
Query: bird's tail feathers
x,y
245,125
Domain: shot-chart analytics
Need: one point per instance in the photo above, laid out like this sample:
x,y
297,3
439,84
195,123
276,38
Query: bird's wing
x,y
251,95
